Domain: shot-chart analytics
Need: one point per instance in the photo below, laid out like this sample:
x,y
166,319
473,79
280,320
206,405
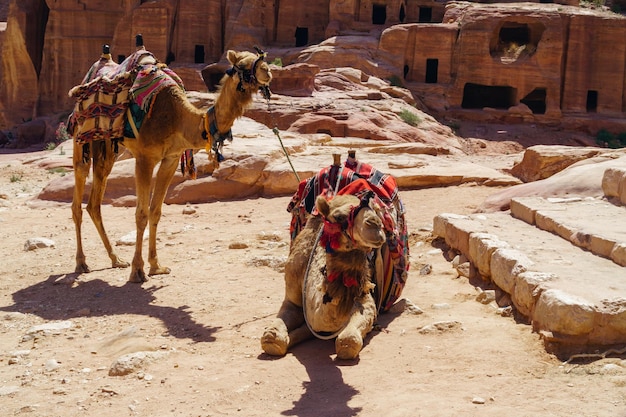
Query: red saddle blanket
x,y
354,178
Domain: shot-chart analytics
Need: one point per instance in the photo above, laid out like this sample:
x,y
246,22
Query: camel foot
x,y
273,343
159,270
348,345
118,263
82,268
138,277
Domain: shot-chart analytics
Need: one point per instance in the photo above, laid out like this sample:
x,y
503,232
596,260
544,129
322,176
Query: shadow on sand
x,y
326,394
55,299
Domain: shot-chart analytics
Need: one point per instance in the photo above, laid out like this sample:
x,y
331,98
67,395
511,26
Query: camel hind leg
x,y
103,160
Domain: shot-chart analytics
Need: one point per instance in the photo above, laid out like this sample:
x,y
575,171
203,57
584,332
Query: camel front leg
x,y
143,177
163,179
350,341
103,160
287,330
81,171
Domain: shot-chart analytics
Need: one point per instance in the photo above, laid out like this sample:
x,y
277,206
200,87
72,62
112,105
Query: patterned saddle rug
x,y
109,89
356,177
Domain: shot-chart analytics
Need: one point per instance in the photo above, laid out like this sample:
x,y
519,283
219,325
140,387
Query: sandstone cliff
x,y
552,64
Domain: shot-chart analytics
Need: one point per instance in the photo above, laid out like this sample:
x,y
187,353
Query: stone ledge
x,y
614,184
572,297
592,224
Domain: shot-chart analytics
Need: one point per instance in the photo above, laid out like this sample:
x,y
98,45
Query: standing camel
x,y
172,125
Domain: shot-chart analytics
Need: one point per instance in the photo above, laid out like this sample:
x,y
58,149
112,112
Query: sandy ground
x,y
202,323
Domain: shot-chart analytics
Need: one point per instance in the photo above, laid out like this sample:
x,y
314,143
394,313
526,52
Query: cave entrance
x,y
302,36
515,40
426,15
477,96
379,14
432,67
592,101
402,14
514,33
536,101
198,56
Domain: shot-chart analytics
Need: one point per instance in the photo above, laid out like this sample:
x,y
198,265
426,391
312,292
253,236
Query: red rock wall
x,y
594,61
432,42
68,53
479,61
18,77
198,22
313,15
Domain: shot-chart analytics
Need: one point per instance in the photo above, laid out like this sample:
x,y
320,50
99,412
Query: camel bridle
x,y
331,231
217,139
248,76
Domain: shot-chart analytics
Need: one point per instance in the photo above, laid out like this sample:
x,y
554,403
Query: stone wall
x,y
518,61
594,65
527,61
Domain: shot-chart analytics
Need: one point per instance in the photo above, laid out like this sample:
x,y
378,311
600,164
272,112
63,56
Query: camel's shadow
x,y
326,394
54,299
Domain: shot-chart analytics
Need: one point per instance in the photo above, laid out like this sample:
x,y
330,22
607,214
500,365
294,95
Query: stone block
x,y
562,313
528,287
506,265
545,221
618,254
481,248
521,210
611,180
457,236
601,245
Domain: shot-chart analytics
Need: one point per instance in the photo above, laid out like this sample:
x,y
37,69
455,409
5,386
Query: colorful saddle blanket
x,y
355,178
107,91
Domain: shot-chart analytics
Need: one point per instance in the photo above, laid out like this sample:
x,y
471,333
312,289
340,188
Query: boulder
x,y
543,161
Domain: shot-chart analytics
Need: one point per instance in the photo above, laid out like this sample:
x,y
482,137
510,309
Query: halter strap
x,y
217,138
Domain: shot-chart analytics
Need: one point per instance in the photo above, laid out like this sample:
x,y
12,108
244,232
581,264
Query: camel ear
x,y
232,56
322,205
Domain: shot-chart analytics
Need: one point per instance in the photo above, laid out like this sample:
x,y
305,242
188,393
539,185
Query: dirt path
x,y
202,325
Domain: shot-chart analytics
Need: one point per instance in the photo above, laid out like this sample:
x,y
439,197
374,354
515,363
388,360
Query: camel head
x,y
351,223
251,69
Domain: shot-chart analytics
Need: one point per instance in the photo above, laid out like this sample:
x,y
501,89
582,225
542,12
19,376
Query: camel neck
x,y
230,104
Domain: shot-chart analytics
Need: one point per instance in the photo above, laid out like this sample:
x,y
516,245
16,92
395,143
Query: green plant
x,y
50,146
58,170
277,61
395,81
607,139
454,125
16,177
410,118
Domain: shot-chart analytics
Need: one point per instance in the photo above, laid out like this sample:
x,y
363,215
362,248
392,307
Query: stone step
x,y
575,299
593,224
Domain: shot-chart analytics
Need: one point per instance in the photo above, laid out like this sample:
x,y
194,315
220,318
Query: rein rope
x,y
277,133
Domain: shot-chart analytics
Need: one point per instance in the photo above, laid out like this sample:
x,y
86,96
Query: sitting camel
x,y
171,126
328,278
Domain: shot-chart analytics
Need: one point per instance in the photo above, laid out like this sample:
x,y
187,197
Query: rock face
x,y
517,62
